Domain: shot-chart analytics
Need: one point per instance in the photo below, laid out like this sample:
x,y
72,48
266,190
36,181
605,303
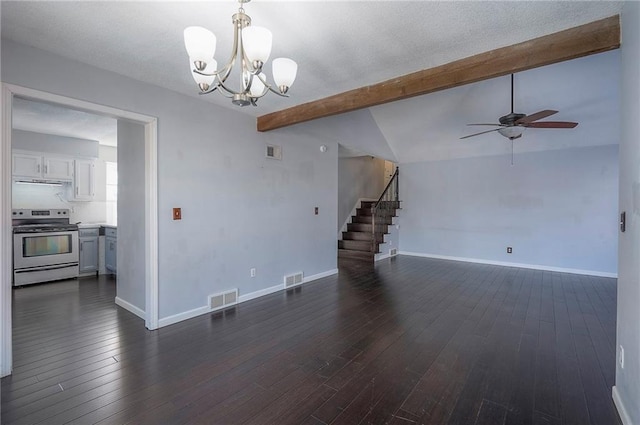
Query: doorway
x,y
150,238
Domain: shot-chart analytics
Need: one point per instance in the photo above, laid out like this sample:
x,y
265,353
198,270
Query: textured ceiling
x,y
339,45
48,118
342,45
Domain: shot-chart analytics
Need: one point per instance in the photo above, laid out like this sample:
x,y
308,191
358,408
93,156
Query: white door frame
x,y
151,205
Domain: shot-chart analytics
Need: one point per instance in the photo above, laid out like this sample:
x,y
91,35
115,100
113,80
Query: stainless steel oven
x,y
45,246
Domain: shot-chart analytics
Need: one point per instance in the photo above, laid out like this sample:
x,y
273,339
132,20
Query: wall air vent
x,y
223,299
293,280
393,251
273,152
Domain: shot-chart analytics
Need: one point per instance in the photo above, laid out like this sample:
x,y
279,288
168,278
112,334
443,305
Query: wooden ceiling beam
x,y
584,40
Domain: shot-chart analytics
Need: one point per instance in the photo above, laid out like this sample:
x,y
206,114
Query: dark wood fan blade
x,y
552,124
535,117
477,134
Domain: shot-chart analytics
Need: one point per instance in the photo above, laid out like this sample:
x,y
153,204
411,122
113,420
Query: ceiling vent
x,y
293,280
223,299
274,152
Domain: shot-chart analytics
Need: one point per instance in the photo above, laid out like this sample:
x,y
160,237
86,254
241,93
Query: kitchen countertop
x,y
96,225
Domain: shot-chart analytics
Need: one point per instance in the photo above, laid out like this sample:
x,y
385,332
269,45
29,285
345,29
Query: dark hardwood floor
x,y
410,340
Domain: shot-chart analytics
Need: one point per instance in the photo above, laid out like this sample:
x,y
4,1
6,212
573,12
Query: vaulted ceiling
x,y
339,46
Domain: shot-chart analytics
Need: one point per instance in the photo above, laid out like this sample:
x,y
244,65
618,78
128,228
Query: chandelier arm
x,y
234,54
267,88
208,91
225,89
276,92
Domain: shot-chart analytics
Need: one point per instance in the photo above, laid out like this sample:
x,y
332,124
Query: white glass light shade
x,y
211,67
284,71
257,43
257,87
200,43
511,132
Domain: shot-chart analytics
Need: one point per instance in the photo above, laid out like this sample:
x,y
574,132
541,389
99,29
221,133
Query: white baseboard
x,y
319,275
507,264
624,415
170,320
260,293
130,307
381,257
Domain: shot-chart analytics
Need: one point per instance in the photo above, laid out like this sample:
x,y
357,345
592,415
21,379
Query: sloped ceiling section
x,y
356,131
429,127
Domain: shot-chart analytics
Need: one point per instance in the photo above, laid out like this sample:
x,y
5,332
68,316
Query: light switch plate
x,y
177,213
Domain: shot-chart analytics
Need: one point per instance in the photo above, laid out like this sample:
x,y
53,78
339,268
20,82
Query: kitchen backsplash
x,y
33,196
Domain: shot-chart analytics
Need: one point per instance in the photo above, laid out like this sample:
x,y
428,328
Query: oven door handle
x,y
43,268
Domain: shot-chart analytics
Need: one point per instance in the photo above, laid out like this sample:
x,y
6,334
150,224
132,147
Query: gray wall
x,y
628,322
240,210
51,143
555,208
131,206
356,130
358,177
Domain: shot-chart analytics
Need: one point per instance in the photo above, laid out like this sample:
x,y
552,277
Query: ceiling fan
x,y
512,125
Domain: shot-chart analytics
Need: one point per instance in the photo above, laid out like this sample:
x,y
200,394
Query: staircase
x,y
366,231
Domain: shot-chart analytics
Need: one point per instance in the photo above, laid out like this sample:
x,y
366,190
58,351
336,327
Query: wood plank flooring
x,y
409,341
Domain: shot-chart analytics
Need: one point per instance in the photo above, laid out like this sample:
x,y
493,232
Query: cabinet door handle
x,y
76,190
46,169
38,168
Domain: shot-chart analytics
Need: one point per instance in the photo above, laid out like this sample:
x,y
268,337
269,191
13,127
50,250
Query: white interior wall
x,y
50,143
240,210
358,177
556,209
627,389
131,206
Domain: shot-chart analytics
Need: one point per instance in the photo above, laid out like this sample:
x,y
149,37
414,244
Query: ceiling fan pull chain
x,y
512,152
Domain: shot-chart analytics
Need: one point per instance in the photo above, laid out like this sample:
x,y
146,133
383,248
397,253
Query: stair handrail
x,y
389,194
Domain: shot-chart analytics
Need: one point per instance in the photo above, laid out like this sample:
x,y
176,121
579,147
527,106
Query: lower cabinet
x,y
88,239
110,250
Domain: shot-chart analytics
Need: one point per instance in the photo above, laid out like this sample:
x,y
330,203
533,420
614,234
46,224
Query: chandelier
x,y
251,48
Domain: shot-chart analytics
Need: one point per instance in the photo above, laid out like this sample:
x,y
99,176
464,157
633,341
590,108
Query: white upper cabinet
x,y
38,166
58,168
26,165
84,183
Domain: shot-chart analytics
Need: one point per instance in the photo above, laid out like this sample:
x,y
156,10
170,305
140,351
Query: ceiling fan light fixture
x,y
512,132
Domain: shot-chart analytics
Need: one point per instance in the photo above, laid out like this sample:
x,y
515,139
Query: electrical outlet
x,y
621,359
253,272
509,250
316,210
